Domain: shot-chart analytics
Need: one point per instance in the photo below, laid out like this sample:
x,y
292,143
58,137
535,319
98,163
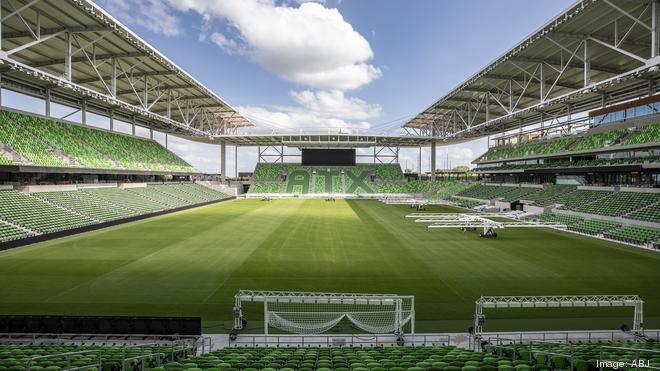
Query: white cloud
x,y
316,111
309,44
228,45
153,15
335,103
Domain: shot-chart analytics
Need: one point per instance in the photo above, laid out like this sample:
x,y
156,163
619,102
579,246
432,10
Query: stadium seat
x,y
38,215
619,203
44,142
593,226
646,134
46,212
634,234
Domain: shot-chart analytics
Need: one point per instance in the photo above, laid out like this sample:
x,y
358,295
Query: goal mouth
x,y
312,313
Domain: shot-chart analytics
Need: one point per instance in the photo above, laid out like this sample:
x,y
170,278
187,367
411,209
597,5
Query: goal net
x,y
315,313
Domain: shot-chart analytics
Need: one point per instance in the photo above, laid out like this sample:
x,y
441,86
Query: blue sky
x,y
354,64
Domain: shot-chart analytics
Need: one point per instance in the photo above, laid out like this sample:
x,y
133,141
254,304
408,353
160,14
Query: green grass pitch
x,y
192,262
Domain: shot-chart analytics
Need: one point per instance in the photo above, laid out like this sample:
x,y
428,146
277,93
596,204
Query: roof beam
x,y
601,37
134,76
166,87
55,62
579,65
50,31
523,81
494,92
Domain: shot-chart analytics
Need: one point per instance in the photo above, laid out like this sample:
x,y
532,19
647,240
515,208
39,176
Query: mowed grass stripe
x,y
192,262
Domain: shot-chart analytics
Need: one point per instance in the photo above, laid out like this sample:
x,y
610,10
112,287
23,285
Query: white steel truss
x,y
473,220
562,301
74,53
595,53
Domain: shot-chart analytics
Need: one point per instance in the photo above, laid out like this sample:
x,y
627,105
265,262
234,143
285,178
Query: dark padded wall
x,y
329,157
101,325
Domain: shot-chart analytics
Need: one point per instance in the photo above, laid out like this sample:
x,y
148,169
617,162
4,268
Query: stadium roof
x,y
595,53
324,140
73,52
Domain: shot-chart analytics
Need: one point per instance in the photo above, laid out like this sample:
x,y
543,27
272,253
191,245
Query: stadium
x,y
117,254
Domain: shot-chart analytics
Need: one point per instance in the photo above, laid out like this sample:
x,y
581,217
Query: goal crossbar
x,y
314,311
561,301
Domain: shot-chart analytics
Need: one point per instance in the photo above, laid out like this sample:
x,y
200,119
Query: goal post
x,y
309,313
566,301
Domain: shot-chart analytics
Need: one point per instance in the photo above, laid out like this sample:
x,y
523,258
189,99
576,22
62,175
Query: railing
x,y
68,356
142,357
531,351
339,340
204,344
103,339
567,336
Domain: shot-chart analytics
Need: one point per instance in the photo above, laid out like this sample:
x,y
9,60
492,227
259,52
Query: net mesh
x,y
372,316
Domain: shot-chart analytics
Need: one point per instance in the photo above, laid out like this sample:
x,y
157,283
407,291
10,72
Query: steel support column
x,y
223,161
67,55
47,102
113,81
420,163
432,161
654,28
83,112
587,64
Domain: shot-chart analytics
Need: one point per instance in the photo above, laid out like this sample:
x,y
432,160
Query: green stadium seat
x,y
45,142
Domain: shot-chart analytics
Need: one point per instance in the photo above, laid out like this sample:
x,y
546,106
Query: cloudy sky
x,y
366,65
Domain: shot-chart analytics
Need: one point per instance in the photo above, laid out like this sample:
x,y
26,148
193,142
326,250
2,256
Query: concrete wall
x,y
639,190
132,185
97,185
596,188
47,188
503,206
534,209
615,219
220,187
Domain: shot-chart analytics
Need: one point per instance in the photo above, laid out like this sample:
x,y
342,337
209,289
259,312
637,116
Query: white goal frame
x,y
567,301
324,298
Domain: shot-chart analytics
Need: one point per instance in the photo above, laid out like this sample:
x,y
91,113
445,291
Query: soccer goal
x,y
309,313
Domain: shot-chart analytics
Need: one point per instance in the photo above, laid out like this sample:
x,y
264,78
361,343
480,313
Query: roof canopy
x,y
595,53
74,53
324,140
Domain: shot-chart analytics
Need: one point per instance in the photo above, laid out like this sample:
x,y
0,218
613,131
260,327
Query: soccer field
x,y
191,263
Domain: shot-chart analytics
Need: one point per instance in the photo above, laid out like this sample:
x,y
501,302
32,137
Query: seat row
x,y
44,142
47,212
631,234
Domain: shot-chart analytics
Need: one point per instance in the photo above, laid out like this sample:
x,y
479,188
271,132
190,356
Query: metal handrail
x,y
331,340
141,347
68,356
